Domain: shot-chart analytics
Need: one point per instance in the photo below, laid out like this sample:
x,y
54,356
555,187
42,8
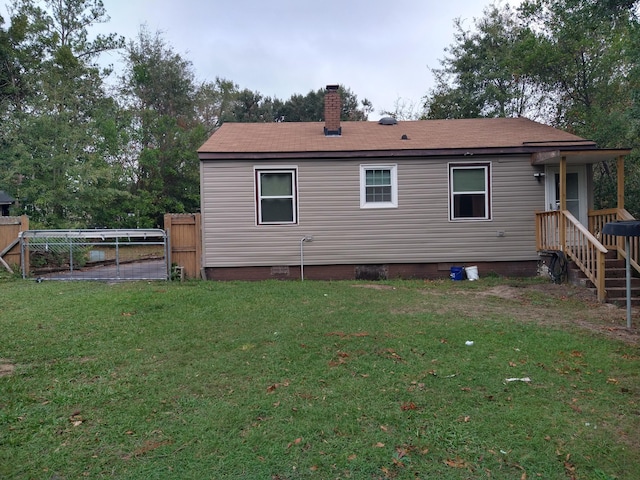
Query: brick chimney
x,y
332,110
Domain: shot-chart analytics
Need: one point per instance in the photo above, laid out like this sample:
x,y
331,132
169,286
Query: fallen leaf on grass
x,y
352,457
335,363
612,381
76,419
336,334
297,441
456,463
408,406
390,353
379,445
570,470
272,388
150,446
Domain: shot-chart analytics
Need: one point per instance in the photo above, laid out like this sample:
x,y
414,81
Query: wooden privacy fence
x,y
10,228
185,241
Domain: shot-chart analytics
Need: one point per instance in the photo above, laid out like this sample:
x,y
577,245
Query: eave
x,y
578,157
540,153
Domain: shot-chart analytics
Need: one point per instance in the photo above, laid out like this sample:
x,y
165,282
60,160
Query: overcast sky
x,y
381,49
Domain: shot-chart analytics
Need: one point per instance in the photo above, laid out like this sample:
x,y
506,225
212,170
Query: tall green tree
x,y
570,63
585,63
160,91
486,72
56,143
214,102
591,72
310,107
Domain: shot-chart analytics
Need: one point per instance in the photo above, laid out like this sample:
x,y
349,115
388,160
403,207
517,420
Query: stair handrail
x,y
586,251
597,220
634,243
560,230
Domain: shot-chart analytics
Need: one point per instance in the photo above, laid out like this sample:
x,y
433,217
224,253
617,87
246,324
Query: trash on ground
x,y
523,379
468,343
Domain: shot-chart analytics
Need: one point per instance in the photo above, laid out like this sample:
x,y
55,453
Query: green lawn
x,y
286,380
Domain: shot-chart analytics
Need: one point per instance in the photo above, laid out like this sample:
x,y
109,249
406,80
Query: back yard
x,y
288,380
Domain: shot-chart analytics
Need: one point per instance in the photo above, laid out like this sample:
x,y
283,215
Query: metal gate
x,y
135,254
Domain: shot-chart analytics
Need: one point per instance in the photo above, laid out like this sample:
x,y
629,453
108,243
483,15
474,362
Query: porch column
x,y
620,175
563,202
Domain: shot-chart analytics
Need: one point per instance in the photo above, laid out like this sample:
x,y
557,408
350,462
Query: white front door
x,y
576,190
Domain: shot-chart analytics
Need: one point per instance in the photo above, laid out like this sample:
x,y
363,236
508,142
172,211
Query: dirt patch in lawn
x,y
533,302
544,303
6,368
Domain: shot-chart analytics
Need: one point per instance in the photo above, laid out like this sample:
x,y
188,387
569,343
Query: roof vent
x,y
388,121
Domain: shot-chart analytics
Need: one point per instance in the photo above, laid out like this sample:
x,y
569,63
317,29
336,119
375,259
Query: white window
x,y
469,191
276,195
378,186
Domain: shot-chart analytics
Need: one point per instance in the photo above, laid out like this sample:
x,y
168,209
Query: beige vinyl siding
x,y
418,231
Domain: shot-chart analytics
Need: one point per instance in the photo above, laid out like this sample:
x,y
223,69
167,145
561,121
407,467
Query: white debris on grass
x,y
523,379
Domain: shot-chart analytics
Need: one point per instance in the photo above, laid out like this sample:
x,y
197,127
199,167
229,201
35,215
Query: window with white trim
x,y
470,191
276,195
378,186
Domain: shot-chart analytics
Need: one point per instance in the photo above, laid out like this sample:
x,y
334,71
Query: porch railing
x,y
560,230
599,218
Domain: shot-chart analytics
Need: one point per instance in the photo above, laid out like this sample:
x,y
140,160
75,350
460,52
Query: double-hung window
x,y
276,195
470,191
378,186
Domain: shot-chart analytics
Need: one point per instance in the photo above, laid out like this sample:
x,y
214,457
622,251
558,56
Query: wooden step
x,y
615,281
618,296
621,282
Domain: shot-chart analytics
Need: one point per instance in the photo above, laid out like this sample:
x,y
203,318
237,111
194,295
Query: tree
x,y
486,74
310,108
570,63
404,109
586,63
214,102
160,91
56,127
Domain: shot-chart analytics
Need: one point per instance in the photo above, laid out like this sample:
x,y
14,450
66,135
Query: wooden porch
x,y
586,246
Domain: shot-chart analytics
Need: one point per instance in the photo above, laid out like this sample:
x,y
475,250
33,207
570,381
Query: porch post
x,y
620,175
563,202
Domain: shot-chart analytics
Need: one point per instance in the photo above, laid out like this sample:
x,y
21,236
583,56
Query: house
x,y
344,200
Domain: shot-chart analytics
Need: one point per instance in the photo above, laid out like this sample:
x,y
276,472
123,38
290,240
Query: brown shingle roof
x,y
236,139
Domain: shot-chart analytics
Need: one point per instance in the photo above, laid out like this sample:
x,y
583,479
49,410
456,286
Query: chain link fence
x,y
136,254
